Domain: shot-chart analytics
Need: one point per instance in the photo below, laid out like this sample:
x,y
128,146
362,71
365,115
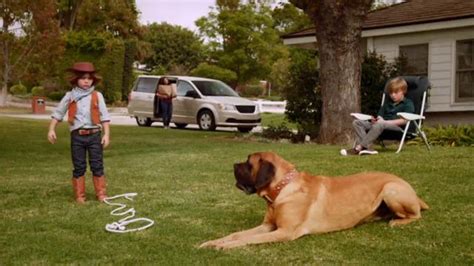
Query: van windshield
x,y
214,88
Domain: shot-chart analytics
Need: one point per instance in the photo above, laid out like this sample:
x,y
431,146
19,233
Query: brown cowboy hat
x,y
86,67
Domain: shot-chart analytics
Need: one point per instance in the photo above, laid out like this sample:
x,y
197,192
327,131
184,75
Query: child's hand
x,y
105,141
52,136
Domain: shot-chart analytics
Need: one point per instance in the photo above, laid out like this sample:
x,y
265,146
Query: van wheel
x,y
143,121
180,125
244,129
206,120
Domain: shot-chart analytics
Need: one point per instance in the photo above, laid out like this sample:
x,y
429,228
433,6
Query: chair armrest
x,y
360,116
410,116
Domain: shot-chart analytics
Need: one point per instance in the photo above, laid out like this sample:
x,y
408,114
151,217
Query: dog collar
x,y
273,193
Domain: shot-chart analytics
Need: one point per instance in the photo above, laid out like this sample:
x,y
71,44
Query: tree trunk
x,y
338,33
6,65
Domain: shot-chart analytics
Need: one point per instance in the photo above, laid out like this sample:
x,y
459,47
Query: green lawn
x,y
184,180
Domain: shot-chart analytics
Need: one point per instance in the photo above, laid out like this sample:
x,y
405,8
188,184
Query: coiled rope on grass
x,y
121,225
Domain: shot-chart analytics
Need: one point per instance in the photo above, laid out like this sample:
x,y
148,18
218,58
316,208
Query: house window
x,y
464,71
414,60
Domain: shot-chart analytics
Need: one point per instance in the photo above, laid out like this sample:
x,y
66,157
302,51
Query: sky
x,y
176,12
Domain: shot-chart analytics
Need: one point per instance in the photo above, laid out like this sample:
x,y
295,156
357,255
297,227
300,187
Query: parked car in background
x,y
206,102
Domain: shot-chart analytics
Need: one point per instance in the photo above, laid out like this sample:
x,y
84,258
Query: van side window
x,y
147,85
183,88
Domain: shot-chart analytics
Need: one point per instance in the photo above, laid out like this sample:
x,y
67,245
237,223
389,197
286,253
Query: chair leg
x,y
423,136
382,144
403,138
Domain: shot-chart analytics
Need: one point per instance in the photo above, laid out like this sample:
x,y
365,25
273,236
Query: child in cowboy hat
x,y
87,118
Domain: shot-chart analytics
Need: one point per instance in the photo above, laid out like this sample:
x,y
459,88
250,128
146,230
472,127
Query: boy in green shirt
x,y
367,131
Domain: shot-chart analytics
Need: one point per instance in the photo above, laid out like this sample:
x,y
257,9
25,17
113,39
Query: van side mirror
x,y
192,94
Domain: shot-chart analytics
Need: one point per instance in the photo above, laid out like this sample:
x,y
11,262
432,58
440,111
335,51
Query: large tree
x,y
26,36
338,32
174,48
242,38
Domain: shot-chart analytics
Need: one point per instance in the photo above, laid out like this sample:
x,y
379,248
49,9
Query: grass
x,y
185,183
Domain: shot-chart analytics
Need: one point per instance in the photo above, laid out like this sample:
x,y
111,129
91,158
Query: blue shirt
x,y
83,114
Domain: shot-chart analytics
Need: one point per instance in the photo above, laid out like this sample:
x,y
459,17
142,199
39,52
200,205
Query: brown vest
x,y
95,114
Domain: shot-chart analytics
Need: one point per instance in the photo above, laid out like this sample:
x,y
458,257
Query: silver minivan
x,y
209,103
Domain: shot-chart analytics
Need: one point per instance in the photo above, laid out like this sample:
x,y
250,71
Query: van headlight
x,y
227,107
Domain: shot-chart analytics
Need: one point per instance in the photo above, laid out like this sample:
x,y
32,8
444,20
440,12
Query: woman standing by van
x,y
166,92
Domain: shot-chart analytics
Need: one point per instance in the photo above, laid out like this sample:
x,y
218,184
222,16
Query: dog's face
x,y
257,172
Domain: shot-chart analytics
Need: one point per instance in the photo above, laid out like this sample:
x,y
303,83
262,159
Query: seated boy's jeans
x,y
367,132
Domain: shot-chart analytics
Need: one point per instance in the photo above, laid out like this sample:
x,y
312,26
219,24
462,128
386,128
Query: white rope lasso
x,y
120,225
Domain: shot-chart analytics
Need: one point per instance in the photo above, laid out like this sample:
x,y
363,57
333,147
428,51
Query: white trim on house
x,y
300,40
441,25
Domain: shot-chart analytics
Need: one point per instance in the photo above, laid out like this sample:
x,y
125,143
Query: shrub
x,y
37,91
302,91
277,132
214,72
375,73
460,135
56,95
252,91
18,89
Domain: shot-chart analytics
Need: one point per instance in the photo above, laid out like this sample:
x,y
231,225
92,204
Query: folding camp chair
x,y
417,90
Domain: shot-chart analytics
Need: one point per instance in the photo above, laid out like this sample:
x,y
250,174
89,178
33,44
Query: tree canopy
x,y
173,46
242,38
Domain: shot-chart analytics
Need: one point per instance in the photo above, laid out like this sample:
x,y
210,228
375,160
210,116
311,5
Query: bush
x,y
252,91
302,91
461,135
56,95
37,91
214,72
18,89
375,73
277,132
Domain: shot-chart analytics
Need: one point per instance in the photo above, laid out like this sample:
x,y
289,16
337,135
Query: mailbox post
x,y
38,105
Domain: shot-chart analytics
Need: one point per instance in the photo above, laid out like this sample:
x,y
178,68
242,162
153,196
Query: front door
x,y
184,106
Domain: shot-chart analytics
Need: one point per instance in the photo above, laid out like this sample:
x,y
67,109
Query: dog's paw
x,y
228,245
210,243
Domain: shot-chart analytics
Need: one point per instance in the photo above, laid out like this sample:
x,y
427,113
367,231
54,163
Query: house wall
x,y
441,63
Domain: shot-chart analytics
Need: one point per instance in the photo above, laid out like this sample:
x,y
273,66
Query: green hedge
x,y
105,52
37,91
18,89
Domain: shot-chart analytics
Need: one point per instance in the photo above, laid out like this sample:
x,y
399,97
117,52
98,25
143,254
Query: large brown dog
x,y
301,204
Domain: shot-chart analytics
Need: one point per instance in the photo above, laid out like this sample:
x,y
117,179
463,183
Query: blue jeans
x,y
80,146
167,111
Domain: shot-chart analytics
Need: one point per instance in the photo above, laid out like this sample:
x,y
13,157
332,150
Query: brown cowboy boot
x,y
79,186
99,185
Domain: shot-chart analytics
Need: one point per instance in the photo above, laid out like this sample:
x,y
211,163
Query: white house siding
x,y
441,62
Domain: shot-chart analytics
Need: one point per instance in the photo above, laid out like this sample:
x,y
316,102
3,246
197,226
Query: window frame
x,y
457,70
179,82
148,89
400,54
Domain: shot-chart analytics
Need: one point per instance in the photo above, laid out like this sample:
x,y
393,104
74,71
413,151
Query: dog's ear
x,y
265,174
